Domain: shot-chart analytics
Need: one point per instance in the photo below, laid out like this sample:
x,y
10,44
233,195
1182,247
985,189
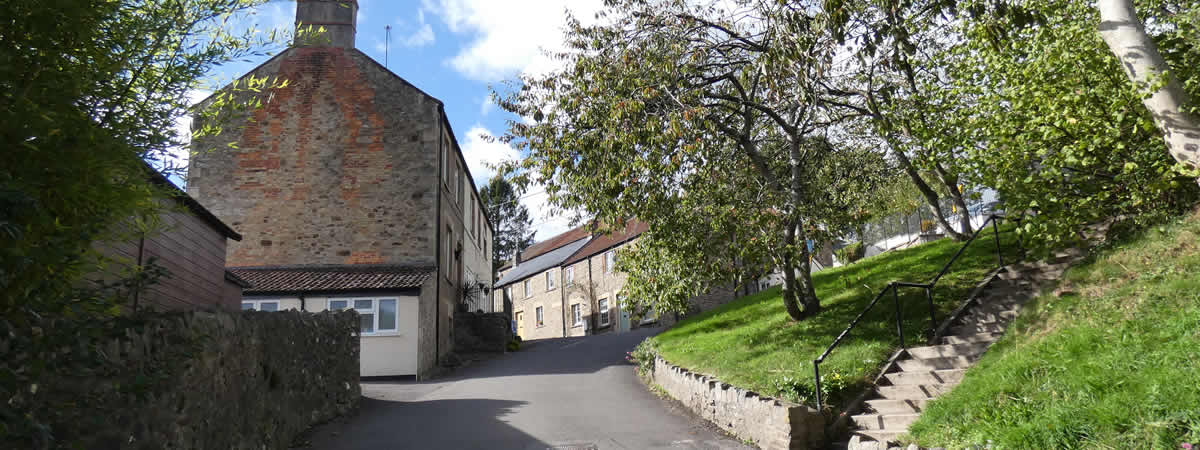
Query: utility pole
x,y
387,42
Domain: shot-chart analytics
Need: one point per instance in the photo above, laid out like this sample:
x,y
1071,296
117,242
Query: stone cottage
x,y
351,192
568,286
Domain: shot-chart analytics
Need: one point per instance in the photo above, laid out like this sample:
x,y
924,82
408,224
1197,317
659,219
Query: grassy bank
x,y
1110,361
753,344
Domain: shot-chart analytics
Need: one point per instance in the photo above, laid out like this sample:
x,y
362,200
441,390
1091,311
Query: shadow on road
x,y
434,424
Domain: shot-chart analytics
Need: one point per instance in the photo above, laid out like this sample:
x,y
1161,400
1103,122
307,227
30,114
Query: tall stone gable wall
x,y
339,167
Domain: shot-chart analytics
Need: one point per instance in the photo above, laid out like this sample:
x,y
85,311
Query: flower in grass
x,y
1185,446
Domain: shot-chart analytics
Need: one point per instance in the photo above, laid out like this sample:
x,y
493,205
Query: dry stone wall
x,y
770,423
204,380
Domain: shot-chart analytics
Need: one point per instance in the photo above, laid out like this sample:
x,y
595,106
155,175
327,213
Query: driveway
x,y
569,393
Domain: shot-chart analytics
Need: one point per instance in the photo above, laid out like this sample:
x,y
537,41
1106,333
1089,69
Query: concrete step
x,y
973,337
974,327
939,351
880,435
912,391
989,317
928,377
943,363
884,421
886,406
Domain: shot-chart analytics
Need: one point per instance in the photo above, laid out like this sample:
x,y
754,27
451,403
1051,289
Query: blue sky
x,y
455,50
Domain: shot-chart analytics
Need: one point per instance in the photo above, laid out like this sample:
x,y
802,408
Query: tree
x,y
89,90
1052,125
513,225
700,121
893,80
1168,103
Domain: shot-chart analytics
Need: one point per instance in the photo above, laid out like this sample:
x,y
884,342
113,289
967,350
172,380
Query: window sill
x,y
578,325
380,334
601,327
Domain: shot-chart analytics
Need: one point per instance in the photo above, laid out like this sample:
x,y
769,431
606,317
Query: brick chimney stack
x,y
338,17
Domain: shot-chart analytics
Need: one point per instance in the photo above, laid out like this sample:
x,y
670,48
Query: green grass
x,y
1111,361
752,343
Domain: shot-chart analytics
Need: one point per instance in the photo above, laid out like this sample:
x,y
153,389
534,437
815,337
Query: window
x,y
603,304
528,289
260,305
610,259
569,275
538,312
508,293
374,315
577,314
550,280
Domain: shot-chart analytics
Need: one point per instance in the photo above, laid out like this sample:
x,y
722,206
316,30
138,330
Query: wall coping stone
x,y
769,422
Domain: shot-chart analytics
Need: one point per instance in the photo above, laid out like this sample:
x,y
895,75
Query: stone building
x,y
352,192
567,286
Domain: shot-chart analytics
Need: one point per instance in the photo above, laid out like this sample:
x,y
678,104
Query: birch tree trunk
x,y
1127,39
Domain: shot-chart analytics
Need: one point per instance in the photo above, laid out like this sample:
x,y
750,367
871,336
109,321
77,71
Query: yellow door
x,y
521,324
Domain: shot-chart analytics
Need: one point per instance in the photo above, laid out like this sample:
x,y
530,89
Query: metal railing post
x,y
932,312
996,231
899,320
817,375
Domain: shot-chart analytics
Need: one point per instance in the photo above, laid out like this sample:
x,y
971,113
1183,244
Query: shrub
x,y
851,253
643,356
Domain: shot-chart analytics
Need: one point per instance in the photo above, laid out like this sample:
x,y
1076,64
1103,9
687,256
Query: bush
x,y
643,356
851,253
514,344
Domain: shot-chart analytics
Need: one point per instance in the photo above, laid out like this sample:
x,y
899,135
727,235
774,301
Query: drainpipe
x,y
562,295
437,300
592,294
303,303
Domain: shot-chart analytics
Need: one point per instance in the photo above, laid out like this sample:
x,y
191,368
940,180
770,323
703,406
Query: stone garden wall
x,y
769,423
488,332
201,380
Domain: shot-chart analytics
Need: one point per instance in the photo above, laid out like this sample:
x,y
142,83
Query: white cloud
x,y
485,107
422,36
481,153
508,39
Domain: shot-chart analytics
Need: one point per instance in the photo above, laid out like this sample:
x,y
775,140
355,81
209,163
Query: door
x,y
623,324
521,324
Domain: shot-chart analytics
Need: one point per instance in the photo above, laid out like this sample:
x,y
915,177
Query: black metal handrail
x,y
895,286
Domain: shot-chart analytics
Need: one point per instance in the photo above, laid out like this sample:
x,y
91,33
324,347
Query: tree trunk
x,y
789,276
931,197
806,293
951,183
1144,65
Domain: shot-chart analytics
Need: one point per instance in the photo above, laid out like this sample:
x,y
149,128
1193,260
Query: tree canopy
x,y
513,225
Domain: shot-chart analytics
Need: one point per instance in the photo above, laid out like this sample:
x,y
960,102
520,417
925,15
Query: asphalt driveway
x,y
570,393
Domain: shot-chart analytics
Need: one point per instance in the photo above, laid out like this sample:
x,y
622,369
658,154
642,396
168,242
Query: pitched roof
x,y
539,264
633,228
567,237
340,278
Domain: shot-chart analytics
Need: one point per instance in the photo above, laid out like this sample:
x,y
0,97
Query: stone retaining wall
x,y
202,380
770,423
487,332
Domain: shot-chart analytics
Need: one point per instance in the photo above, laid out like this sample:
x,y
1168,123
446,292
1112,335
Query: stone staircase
x,y
921,374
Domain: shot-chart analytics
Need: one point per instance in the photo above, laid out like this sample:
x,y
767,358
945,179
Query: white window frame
x,y
255,305
569,275
528,284
550,280
603,307
576,314
349,303
610,260
539,317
